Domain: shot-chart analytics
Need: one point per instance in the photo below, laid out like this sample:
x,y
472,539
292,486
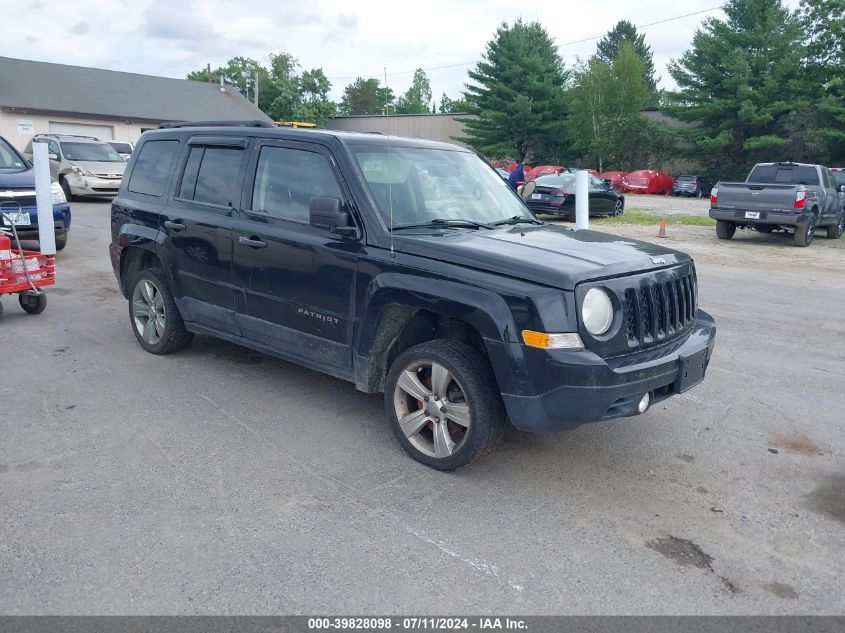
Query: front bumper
x,y
767,216
92,185
589,389
61,222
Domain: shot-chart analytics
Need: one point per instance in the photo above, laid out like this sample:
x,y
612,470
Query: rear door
x,y
198,223
294,281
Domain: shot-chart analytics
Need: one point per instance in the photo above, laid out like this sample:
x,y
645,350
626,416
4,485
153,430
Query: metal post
x,y
582,199
43,198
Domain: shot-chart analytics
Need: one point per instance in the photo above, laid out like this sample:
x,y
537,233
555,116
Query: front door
x,y
294,281
198,224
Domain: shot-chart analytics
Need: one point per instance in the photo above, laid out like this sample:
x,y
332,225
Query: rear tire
x,y
448,401
805,231
153,314
725,230
835,231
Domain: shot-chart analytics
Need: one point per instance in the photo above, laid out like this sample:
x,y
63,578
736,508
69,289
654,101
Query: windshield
x,y
10,161
432,184
99,152
784,174
687,178
123,148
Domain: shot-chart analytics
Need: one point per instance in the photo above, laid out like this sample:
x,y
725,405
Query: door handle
x,y
252,242
174,226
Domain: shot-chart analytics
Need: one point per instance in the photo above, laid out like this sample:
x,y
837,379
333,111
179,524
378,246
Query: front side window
x,y
152,167
286,179
211,174
418,185
10,161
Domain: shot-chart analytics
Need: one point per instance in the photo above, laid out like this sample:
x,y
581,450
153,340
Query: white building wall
x,y
432,127
19,128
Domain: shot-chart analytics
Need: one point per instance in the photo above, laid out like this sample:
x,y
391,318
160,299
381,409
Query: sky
x,y
170,38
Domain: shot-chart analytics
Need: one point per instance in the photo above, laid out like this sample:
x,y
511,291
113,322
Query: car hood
x,y
19,180
549,254
101,167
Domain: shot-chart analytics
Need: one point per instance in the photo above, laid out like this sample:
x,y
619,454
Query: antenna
x,y
389,164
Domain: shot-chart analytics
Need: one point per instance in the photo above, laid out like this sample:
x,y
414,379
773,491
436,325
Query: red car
x,y
651,181
615,178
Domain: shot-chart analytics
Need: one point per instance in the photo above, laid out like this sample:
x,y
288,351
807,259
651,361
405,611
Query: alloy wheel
x,y
148,311
432,410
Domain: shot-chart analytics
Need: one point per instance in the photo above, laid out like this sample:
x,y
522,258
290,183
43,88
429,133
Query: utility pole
x,y
255,82
208,73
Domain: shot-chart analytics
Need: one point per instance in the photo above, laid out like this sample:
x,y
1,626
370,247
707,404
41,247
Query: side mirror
x,y
326,213
53,156
527,189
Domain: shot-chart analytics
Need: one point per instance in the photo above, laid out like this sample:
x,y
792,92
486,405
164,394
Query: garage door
x,y
102,132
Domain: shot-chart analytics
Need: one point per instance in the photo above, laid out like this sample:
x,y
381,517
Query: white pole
x,y
582,199
43,199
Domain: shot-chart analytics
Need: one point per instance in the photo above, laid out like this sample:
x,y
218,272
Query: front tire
x,y
66,188
835,231
805,231
32,303
61,242
155,319
443,404
725,230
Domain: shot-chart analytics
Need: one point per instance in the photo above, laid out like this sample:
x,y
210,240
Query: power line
x,y
586,39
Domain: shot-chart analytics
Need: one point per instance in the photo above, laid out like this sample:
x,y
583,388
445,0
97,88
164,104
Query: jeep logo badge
x,y
658,260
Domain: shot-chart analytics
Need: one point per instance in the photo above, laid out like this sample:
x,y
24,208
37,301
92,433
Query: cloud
x,y
295,18
80,28
346,21
166,21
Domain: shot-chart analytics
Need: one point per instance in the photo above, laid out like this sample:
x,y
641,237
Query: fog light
x,y
644,402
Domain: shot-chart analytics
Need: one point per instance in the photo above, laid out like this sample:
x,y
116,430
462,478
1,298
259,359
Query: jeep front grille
x,y
659,311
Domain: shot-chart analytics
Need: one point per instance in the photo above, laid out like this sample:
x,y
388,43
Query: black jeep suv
x,y
405,267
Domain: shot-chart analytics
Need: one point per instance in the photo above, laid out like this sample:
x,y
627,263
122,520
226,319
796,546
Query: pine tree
x,y
518,96
624,31
739,83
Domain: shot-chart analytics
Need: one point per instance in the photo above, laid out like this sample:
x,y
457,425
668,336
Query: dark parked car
x,y
17,198
555,194
322,248
696,186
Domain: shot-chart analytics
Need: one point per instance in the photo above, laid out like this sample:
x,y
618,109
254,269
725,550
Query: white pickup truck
x,y
781,196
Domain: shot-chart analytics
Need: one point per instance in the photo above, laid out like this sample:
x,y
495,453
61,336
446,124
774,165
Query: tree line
x,y
764,83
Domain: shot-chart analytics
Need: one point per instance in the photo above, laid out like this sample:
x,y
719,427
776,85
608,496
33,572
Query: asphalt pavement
x,y
222,481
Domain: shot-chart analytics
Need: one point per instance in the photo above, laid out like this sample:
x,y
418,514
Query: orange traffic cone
x,y
662,231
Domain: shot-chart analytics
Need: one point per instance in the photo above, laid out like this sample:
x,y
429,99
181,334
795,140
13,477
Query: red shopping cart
x,y
23,272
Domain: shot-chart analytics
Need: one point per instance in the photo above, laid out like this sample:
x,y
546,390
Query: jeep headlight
x,y
597,311
57,194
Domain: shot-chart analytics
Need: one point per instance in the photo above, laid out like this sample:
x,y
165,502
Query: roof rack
x,y
57,135
178,124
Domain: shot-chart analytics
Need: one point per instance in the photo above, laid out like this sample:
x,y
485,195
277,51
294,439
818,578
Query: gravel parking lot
x,y
667,205
223,481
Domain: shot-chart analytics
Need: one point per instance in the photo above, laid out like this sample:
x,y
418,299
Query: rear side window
x,y
286,180
785,174
152,167
210,175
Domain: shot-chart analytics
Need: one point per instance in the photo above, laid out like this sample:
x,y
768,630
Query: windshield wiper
x,y
441,222
517,219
